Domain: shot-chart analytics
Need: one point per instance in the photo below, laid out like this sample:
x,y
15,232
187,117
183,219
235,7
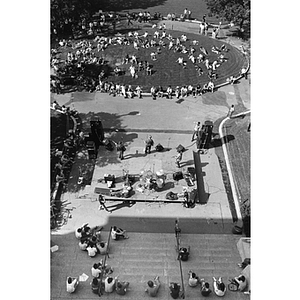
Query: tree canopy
x,y
236,11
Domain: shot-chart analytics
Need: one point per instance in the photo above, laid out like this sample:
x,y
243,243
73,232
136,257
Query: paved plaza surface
x,y
150,250
205,226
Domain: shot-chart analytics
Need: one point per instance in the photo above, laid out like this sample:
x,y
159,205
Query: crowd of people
x,y
102,280
86,53
62,158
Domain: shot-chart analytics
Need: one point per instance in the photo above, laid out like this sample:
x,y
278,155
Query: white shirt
x,y
193,281
92,251
71,286
82,246
109,287
95,272
77,234
102,250
113,234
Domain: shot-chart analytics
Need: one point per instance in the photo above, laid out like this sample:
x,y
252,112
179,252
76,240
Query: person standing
x,y
121,148
197,128
178,158
231,111
201,28
149,143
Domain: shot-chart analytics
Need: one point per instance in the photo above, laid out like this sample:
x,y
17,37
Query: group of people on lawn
x,y
85,52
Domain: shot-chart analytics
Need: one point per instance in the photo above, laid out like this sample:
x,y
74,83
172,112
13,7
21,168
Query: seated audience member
x,y
245,263
184,253
193,279
72,283
95,285
121,287
117,233
241,282
109,284
102,247
96,270
83,244
107,268
160,91
153,92
92,251
174,290
211,86
169,92
78,232
153,287
219,287
204,287
92,241
177,92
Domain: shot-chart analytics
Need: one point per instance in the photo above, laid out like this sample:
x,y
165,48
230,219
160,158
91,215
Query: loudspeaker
x,y
97,131
178,175
180,148
91,148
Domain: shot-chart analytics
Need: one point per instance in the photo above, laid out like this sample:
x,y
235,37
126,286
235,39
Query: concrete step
x,y
144,256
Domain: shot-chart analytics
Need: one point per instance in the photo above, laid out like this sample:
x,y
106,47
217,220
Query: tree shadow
x,y
109,122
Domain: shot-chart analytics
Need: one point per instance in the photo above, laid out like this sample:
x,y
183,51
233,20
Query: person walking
x,y
231,111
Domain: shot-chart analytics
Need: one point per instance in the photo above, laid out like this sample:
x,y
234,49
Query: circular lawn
x,y
166,71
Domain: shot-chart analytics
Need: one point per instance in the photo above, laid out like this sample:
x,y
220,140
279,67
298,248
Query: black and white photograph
x,y
167,141
150,149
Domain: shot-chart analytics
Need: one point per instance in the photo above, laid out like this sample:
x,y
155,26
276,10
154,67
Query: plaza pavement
x,y
150,249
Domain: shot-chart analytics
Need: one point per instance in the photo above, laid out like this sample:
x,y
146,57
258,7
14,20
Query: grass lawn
x,y
166,70
239,155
